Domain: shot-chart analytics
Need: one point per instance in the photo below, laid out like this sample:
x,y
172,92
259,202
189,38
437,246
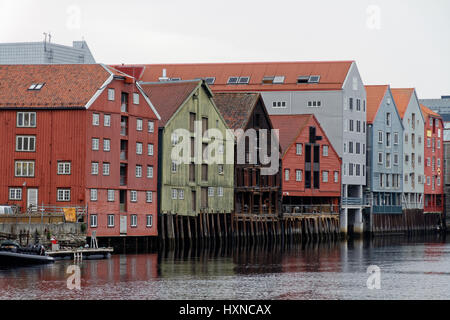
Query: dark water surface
x,y
414,268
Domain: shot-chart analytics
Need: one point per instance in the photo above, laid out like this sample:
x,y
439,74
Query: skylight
x,y
278,79
233,80
273,79
314,79
303,79
244,80
268,80
36,86
210,80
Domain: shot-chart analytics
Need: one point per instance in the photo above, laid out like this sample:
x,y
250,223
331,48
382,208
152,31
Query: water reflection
x,y
411,268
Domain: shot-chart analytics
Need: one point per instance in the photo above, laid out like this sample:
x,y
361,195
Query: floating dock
x,y
80,254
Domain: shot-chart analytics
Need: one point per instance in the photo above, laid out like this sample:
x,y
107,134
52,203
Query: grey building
x,y
45,53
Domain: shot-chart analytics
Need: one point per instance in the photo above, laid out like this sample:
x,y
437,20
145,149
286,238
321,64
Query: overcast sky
x,y
402,43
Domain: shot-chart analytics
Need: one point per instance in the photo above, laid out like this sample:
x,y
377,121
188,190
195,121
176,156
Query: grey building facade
x,y
45,53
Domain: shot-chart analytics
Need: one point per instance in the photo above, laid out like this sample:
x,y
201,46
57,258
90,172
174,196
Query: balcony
x,y
387,210
292,210
352,201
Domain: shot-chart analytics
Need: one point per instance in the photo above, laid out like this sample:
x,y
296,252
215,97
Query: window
x,y
174,194
406,178
64,167
350,147
358,126
381,179
138,147
95,119
438,162
244,80
298,175
150,149
358,148
388,160
26,119
210,191
388,119
135,98
380,136
149,220
139,124
279,104
106,145
358,105
350,104
220,168
336,176
419,159
133,220
110,220
380,157
107,120
299,149
94,168
406,159
63,195
220,191
325,151
93,194
395,138
15,193
210,80
133,196
24,168
93,221
406,138
350,126
150,172
286,174
111,195
151,126
204,172
105,169
138,171
396,159
428,142
388,139
438,144
233,80
174,138
314,104
25,143
181,194
428,162
95,144
350,169
174,167
149,196
428,181
438,181
111,94
325,176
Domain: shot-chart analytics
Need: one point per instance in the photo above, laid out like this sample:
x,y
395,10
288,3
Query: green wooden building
x,y
195,197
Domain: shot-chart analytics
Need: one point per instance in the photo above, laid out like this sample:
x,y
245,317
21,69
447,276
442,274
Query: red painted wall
x,y
295,162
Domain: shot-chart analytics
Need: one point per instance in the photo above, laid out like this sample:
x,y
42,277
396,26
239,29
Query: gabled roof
x,y
290,126
402,97
375,95
168,97
332,74
236,108
135,71
428,112
65,86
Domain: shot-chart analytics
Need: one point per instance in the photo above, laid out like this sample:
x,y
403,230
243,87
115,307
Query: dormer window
x,y
210,80
273,80
303,79
244,80
314,79
308,79
233,80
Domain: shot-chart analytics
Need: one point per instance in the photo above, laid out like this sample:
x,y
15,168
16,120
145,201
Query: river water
x,y
410,268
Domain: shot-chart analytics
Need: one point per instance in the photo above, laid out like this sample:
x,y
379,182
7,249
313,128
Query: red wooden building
x,y
79,136
434,162
311,174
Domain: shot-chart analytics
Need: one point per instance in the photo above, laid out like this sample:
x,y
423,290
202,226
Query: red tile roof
x,y
375,95
428,112
135,71
290,127
332,74
402,97
167,97
236,108
64,85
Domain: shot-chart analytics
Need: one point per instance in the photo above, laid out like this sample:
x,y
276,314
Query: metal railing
x,y
387,209
311,209
352,201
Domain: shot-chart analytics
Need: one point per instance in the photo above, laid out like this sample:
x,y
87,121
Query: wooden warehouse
x,y
79,136
196,195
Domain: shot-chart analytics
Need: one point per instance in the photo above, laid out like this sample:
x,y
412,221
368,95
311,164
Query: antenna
x,y
49,37
45,41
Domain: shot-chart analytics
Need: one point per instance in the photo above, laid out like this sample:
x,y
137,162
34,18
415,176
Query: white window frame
x,y
64,168
174,193
62,195
31,120
325,150
133,196
150,150
150,172
28,164
29,139
134,221
110,220
138,171
106,169
149,196
139,147
336,176
106,145
139,125
111,195
96,119
181,194
93,221
107,120
149,220
287,173
94,168
325,176
94,195
220,191
299,149
135,98
151,126
380,137
380,156
211,192
95,144
298,175
111,94
15,194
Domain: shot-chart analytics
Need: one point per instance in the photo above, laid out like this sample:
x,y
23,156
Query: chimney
x,y
164,76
